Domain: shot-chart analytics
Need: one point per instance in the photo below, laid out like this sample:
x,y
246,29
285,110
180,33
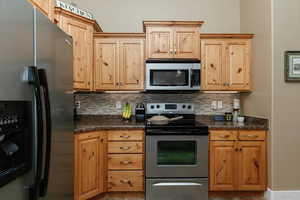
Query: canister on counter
x,y
228,116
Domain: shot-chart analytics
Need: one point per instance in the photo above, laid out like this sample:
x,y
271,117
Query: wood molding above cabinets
x,y
45,6
119,61
172,39
81,29
226,62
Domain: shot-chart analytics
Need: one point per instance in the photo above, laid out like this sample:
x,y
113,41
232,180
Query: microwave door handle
x,y
191,78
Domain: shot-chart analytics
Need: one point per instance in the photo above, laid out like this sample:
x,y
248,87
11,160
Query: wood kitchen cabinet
x,y
119,61
81,29
45,6
226,62
108,161
126,160
171,39
238,160
90,164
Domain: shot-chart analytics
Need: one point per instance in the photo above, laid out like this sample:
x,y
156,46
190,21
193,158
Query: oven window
x,y
176,153
169,77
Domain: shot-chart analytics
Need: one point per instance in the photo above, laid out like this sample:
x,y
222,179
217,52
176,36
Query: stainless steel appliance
x,y
176,154
36,82
173,75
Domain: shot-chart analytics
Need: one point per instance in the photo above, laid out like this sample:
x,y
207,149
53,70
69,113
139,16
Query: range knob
x,y
157,106
189,107
183,106
152,107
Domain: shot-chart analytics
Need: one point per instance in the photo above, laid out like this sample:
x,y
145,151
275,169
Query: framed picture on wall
x,y
292,66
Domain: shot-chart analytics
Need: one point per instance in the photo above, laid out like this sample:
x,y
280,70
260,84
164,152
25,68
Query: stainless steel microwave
x,y
173,76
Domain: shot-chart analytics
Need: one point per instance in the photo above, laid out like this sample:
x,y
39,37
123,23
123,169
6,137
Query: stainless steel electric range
x,y
176,154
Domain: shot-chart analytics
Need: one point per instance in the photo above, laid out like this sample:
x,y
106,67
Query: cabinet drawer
x,y
126,135
125,147
125,161
252,135
125,181
223,135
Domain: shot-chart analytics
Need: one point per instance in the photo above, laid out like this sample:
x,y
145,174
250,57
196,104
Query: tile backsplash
x,y
105,103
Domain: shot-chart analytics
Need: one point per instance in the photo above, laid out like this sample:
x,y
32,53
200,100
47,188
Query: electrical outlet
x,y
214,105
118,105
220,104
77,104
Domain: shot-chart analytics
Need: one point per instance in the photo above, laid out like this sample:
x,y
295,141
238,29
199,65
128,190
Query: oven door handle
x,y
176,184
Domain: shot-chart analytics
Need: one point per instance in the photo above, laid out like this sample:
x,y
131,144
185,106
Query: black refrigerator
x,y
36,106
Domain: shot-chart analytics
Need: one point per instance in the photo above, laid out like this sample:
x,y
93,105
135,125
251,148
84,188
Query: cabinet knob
x,y
126,181
239,70
125,148
125,162
125,136
117,83
212,65
105,63
224,136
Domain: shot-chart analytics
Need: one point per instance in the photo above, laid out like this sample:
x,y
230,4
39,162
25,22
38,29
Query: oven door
x,y
168,76
176,156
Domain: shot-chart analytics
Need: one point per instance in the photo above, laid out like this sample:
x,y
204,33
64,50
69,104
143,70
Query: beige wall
x,y
127,15
286,97
256,18
276,24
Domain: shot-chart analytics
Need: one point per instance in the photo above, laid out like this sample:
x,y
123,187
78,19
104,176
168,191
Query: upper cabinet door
x,y
160,42
238,64
45,6
252,165
212,54
106,64
187,42
82,52
132,64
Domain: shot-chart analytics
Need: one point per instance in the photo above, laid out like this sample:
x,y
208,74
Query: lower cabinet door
x,y
90,166
252,165
176,189
223,169
125,181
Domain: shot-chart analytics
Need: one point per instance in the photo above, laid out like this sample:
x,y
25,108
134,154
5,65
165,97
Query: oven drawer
x,y
131,181
126,135
125,161
176,189
125,147
223,135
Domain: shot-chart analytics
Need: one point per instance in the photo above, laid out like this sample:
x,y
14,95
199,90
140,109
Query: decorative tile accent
x,y
105,103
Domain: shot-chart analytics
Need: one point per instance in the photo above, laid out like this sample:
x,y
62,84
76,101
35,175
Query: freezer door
x,y
16,53
54,58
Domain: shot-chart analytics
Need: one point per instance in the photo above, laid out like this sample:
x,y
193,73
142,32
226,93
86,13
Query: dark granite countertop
x,y
87,123
251,123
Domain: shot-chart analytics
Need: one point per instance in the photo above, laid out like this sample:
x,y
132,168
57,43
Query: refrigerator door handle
x,y
33,79
48,123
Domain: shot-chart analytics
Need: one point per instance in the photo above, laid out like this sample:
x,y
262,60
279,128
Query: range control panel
x,y
170,108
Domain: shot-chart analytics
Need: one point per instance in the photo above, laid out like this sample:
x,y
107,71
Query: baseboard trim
x,y
283,195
